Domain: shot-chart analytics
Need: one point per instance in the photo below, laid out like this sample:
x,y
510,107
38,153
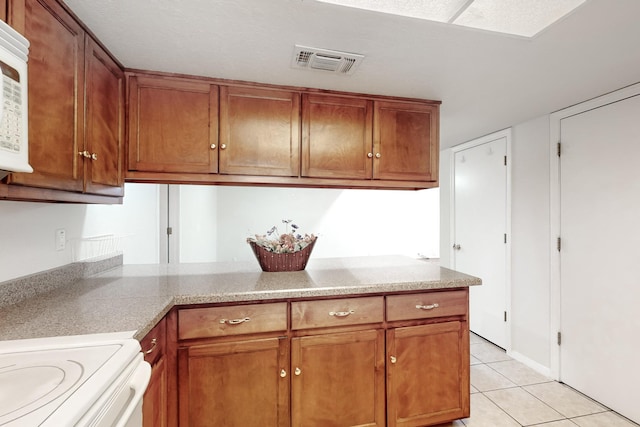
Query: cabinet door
x,y
104,133
56,85
234,384
338,379
154,348
427,374
154,407
259,131
405,141
336,137
173,125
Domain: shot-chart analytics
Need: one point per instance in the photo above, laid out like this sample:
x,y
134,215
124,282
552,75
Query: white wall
x,y
348,222
445,208
215,222
530,285
529,240
27,230
198,223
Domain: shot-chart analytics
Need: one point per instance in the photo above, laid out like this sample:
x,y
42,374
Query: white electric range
x,y
86,380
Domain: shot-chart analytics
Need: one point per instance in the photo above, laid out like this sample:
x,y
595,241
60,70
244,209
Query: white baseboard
x,y
541,369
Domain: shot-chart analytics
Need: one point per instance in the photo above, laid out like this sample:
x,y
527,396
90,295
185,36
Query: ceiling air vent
x,y
311,58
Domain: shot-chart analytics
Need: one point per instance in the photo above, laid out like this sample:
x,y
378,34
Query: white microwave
x,y
14,139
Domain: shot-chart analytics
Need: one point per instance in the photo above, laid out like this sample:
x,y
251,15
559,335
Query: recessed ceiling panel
x,y
432,10
520,17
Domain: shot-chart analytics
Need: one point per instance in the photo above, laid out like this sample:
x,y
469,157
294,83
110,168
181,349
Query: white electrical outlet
x,y
61,239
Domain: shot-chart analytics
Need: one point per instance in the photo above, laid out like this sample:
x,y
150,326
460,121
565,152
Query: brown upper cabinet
x,y
359,138
173,125
336,137
104,133
199,130
277,136
259,131
405,141
76,110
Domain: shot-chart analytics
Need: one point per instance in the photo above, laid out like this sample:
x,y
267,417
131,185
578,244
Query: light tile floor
x,y
506,393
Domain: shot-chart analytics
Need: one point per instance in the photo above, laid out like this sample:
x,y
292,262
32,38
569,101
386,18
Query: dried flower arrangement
x,y
282,252
289,242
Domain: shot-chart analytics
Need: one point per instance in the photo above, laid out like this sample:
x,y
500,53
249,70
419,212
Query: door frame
x,y
507,134
169,216
555,130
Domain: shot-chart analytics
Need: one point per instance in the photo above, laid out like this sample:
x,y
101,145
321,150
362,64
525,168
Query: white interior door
x,y
599,258
480,228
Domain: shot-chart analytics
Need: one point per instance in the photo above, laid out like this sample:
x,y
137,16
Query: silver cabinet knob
x,y
456,247
370,155
223,146
213,146
378,155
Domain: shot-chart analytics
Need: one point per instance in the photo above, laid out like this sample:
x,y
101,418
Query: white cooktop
x,y
42,380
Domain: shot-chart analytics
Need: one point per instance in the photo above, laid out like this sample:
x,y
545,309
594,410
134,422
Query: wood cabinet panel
x,y
76,110
336,137
338,379
326,370
155,401
104,133
336,312
427,374
235,384
259,131
153,345
427,305
154,406
173,125
56,110
231,320
405,136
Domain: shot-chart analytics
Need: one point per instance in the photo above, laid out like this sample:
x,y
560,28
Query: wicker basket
x,y
272,262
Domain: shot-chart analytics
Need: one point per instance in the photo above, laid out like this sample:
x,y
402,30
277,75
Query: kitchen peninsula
x,y
373,340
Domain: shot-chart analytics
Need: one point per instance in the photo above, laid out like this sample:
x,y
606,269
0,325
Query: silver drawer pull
x,y
341,313
154,343
234,321
428,307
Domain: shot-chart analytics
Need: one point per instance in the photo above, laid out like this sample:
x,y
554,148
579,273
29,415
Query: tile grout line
x,y
483,393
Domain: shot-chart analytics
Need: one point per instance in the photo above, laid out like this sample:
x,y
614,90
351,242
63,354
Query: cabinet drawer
x,y
153,344
426,305
231,320
336,312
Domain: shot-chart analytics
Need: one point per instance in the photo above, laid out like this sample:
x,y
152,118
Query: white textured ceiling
x,y
486,81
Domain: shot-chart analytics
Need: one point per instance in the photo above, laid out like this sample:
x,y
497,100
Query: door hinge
x,y
505,316
559,244
505,237
559,149
559,338
505,160
169,231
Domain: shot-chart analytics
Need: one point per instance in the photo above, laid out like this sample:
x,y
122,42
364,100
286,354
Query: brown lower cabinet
x,y
155,403
236,383
427,374
338,379
382,360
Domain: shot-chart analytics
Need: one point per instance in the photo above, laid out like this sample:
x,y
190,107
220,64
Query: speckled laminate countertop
x,y
135,297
